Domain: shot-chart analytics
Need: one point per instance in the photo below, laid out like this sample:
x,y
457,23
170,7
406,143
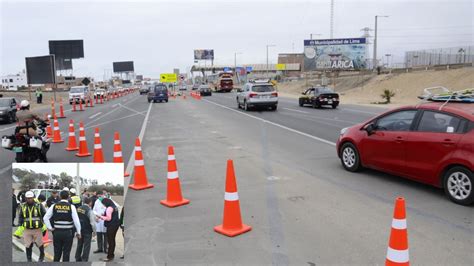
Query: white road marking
x,y
113,120
275,124
92,116
360,111
130,109
114,105
131,160
296,110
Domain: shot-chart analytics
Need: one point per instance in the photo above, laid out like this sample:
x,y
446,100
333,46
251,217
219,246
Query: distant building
x,y
13,82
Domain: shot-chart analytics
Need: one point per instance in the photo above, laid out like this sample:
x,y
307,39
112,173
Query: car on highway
x,y
100,93
195,87
8,109
319,96
183,88
144,89
78,94
432,143
158,93
205,90
257,94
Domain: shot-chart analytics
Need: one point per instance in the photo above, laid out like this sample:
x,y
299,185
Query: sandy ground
x,y
47,97
407,86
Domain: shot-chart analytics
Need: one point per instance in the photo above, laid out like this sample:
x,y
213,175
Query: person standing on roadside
x,y
87,218
14,207
122,227
99,209
39,96
112,223
31,218
64,218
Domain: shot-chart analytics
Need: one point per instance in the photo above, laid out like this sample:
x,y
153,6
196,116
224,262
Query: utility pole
x,y
331,23
375,42
269,45
235,65
315,34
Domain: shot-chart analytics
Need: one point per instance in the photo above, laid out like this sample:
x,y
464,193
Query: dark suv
x,y
8,110
158,93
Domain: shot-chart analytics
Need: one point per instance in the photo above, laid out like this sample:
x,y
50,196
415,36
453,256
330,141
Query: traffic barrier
x,y
61,110
397,251
83,151
98,153
232,220
139,174
72,144
118,152
56,131
174,198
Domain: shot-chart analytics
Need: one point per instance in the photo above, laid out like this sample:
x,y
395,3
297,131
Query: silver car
x,y
257,94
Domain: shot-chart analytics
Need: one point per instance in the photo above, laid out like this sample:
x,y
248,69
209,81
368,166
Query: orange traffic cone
x,y
56,132
61,110
91,102
397,252
118,151
49,131
141,181
46,239
98,154
81,108
232,222
83,151
74,106
173,191
72,144
97,100
53,109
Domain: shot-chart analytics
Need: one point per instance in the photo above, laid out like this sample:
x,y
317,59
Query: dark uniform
x,y
112,227
84,244
61,215
31,218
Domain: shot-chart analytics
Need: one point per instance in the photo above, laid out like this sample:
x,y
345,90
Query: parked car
x,y
8,109
205,90
257,94
158,93
78,94
431,143
319,96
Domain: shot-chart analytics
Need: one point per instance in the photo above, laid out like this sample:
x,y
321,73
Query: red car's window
x,y
439,122
397,121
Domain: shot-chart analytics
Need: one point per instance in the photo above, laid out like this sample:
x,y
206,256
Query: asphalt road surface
x,y
304,208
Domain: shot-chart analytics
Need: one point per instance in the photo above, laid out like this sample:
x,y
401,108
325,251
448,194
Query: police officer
x,y
87,218
54,198
64,218
75,199
31,218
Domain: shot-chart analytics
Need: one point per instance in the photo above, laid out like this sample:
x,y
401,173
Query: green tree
x,y
28,182
387,95
64,180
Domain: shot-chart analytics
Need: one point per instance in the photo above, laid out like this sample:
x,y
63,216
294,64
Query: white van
x,y
78,93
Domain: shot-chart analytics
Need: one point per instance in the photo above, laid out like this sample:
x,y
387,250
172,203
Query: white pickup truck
x,y
78,93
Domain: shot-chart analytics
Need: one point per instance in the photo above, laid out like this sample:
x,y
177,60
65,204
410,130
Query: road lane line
x,y
130,109
360,111
114,120
295,110
275,124
131,159
92,116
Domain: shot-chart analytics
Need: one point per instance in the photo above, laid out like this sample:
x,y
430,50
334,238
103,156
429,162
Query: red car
x,y
432,143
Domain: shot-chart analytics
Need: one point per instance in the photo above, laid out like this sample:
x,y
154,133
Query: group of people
x,y
68,215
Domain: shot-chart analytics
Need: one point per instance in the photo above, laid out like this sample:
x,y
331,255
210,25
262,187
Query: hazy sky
x,y
160,36
106,172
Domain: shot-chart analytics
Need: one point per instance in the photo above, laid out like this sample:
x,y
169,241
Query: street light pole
x,y
311,35
268,45
235,64
375,41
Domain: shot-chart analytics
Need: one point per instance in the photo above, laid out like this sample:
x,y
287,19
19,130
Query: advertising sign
x,y
168,77
280,67
40,70
204,54
340,54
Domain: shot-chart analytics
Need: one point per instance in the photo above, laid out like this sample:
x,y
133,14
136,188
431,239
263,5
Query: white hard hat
x,y
24,103
66,189
72,190
29,194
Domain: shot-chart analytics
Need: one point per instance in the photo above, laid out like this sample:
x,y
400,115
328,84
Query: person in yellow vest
x,y
31,218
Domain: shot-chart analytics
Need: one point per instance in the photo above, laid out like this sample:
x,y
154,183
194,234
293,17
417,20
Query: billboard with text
x,y
204,54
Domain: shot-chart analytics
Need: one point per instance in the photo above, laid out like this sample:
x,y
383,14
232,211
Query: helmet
x,y
29,194
72,190
65,189
24,103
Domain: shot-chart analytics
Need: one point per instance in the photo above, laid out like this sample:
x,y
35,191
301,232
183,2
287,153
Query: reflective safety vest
x,y
76,201
32,216
62,215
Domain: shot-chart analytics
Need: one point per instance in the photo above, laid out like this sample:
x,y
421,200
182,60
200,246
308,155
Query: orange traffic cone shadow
x,y
72,144
232,222
46,239
173,191
140,178
98,154
83,151
118,152
56,132
397,251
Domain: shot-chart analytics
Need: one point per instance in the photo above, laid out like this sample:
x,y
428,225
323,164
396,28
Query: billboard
x,y
40,70
125,66
337,54
63,64
204,54
67,49
168,77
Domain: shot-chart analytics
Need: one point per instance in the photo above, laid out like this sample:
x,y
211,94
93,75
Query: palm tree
x,y
387,95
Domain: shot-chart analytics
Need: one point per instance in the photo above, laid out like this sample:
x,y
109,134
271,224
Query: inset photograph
x,y
67,212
